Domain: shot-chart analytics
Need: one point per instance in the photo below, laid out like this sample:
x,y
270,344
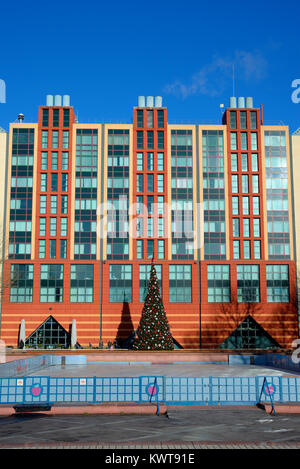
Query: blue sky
x,y
104,55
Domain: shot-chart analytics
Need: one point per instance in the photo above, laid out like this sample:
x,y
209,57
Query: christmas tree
x,y
153,332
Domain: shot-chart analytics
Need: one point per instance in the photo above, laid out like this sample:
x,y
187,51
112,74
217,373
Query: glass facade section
x,y
277,195
120,283
180,283
248,290
21,283
218,283
214,194
21,193
277,283
51,283
82,283
118,195
182,194
144,276
85,235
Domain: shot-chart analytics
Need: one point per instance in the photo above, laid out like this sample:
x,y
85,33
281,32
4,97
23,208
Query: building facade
x,y
90,205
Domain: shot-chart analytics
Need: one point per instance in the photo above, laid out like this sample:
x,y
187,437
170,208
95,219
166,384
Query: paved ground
x,y
185,428
185,369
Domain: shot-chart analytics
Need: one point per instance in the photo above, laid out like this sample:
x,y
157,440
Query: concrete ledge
x,y
138,409
287,408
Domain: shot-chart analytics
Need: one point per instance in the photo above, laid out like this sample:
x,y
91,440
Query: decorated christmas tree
x,y
153,332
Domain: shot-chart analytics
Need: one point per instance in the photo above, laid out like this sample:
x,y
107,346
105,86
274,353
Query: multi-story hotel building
x,y
90,205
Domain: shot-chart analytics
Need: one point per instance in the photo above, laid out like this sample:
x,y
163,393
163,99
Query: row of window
x,y
120,283
57,137
56,118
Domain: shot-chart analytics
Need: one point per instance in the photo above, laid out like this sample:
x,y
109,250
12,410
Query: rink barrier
x,y
169,390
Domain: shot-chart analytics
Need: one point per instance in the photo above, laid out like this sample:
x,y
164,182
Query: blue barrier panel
x,y
108,389
171,390
149,388
36,389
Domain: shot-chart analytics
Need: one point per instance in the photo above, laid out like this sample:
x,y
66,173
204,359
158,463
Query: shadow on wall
x,y
126,332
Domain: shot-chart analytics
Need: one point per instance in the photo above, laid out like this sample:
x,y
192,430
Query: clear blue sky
x,y
105,54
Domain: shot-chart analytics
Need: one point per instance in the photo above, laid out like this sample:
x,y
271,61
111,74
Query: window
x,y
256,227
255,205
234,183
139,249
160,140
246,227
253,120
42,249
45,118
45,139
139,182
139,162
277,283
49,335
21,283
243,119
43,182
52,248
64,204
55,139
180,283
160,161
235,205
140,139
82,283
218,283
139,119
245,184
160,183
63,248
245,205
248,283
53,209
150,248
246,249
43,204
120,283
150,139
253,141
44,160
42,226
149,161
235,227
144,276
65,142
52,226
55,117
149,119
54,182
66,118
150,183
254,159
160,119
64,182
255,186
63,226
233,119
244,162
236,249
257,253
65,161
244,145
51,284
161,249
233,141
234,162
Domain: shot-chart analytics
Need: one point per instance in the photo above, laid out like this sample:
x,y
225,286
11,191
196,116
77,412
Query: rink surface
x,y
180,370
